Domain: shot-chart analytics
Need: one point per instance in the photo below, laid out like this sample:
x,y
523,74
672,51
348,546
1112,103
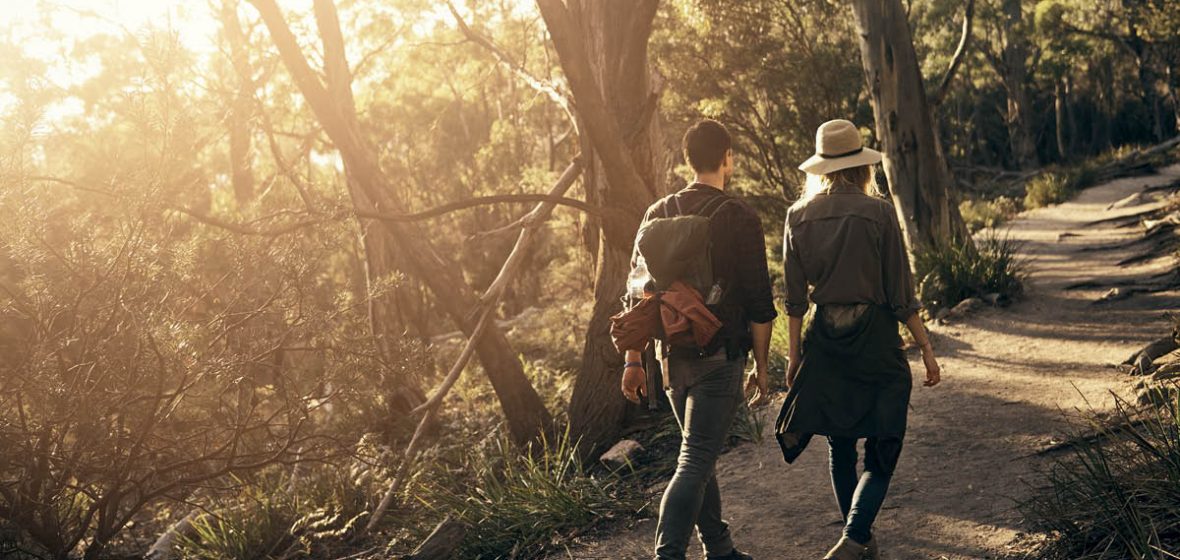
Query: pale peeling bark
x,y
919,179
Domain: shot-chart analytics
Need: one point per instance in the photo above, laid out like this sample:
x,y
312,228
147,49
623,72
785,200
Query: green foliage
x,y
1116,496
522,504
951,273
979,214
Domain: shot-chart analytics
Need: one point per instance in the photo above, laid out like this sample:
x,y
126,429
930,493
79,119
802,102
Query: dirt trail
x,y
1009,377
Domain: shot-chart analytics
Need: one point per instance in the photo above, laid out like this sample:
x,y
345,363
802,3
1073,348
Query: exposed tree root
x,y
1159,282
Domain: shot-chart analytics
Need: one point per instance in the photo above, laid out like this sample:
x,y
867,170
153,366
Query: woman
x,y
848,378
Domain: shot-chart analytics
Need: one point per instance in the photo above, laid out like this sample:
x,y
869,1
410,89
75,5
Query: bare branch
x,y
964,41
546,88
246,229
483,201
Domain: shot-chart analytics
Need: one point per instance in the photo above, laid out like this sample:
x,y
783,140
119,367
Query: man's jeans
x,y
705,395
859,500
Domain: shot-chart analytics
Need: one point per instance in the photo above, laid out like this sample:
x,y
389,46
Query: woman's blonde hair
x,y
861,177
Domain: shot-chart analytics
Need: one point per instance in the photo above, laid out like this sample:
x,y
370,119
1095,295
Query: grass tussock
x,y
1116,497
1052,187
981,214
279,514
521,505
1059,183
954,272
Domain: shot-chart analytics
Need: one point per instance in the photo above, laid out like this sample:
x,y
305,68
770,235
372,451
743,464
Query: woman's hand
x,y
793,363
933,372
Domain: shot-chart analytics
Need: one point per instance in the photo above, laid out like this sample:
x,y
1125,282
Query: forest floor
x,y
1011,379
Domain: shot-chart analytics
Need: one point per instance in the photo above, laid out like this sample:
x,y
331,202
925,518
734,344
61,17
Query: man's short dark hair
x,y
705,145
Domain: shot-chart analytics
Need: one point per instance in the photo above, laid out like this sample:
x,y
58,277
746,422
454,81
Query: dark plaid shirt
x,y
739,260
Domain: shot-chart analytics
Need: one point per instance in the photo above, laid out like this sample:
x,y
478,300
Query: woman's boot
x,y
846,549
872,551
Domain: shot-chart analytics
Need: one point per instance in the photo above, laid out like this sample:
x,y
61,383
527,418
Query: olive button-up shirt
x,y
848,247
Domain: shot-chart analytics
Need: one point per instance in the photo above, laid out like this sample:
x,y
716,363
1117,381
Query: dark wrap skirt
x,y
853,382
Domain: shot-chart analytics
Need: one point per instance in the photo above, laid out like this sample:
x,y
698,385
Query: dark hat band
x,y
845,154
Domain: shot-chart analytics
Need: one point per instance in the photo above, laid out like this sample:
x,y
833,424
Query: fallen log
x,y
1092,438
442,542
1142,358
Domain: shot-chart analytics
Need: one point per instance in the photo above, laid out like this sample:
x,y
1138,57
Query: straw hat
x,y
838,146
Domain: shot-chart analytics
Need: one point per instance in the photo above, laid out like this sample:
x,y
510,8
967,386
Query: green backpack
x,y
678,247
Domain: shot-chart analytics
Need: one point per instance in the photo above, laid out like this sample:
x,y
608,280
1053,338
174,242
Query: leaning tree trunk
x,y
372,189
602,46
919,178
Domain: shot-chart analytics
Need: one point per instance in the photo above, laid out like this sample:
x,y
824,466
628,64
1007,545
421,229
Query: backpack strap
x,y
708,208
708,212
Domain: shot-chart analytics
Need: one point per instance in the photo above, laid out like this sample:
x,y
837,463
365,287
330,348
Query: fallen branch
x,y
442,541
1091,439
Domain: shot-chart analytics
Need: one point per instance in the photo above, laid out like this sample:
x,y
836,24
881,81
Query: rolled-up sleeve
x,y
899,280
796,281
752,271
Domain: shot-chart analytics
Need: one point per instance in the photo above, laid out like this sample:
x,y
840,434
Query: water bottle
x,y
637,280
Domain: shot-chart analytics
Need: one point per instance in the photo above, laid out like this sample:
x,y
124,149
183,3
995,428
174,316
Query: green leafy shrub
x,y
954,272
522,504
1116,496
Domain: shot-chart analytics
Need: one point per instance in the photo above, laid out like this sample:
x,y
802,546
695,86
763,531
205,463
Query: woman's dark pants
x,y
705,395
860,498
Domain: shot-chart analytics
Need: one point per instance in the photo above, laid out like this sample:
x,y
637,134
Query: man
x,y
704,385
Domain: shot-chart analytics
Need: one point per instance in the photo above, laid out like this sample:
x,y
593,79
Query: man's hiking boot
x,y
846,549
735,555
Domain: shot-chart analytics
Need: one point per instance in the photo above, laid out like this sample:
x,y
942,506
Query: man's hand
x,y
793,363
933,372
634,383
757,387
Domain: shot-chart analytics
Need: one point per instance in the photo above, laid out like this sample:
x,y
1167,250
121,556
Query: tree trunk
x,y
1100,124
1013,72
241,109
1173,98
1148,82
1059,118
372,189
602,46
919,179
1070,116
